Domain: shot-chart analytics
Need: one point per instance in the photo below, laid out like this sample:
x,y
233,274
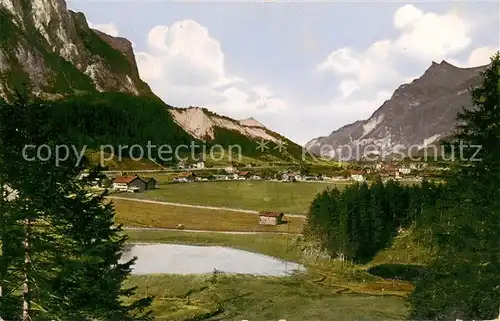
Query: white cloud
x,y
367,77
347,87
481,56
478,57
406,16
108,28
430,36
184,65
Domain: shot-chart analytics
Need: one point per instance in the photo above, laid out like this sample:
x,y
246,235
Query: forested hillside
x,y
362,219
458,220
119,119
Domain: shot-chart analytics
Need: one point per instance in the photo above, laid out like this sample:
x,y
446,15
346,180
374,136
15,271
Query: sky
x,y
302,69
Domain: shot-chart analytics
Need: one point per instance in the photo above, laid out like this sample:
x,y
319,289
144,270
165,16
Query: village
x,y
170,186
412,172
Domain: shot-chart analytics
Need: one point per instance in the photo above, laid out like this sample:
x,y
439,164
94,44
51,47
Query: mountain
x,y
214,129
417,115
43,42
94,82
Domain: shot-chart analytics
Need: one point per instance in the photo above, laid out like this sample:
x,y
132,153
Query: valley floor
x,y
327,291
291,198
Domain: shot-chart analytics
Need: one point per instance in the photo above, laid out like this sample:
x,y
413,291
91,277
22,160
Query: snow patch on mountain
x,y
201,125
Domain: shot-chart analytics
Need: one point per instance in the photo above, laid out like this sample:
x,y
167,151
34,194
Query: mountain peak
x,y
442,66
251,122
439,94
82,59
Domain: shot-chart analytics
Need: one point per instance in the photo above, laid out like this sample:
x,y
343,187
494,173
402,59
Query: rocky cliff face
x,y
417,115
53,48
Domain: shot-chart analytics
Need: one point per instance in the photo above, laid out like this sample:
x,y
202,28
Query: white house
x,y
200,165
9,193
404,170
230,169
358,177
83,175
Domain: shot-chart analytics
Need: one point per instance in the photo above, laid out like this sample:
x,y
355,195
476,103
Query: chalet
x,y
244,175
221,177
129,183
230,169
270,218
9,194
83,175
291,177
185,177
404,170
357,176
151,183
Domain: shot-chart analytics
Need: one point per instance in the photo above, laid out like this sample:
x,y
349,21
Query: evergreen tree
x,y
463,282
60,252
366,223
380,227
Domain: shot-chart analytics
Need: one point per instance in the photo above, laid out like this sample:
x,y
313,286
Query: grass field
x,y
251,195
137,214
238,297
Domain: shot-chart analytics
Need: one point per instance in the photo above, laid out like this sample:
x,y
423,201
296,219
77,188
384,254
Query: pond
x,y
187,259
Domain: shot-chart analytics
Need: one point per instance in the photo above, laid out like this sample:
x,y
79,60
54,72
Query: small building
x,y
244,175
357,176
291,177
185,177
230,169
129,183
83,175
200,165
151,183
270,218
9,194
404,170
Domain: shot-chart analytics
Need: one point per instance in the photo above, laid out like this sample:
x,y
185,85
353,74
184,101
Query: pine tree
x,y
463,282
60,251
377,204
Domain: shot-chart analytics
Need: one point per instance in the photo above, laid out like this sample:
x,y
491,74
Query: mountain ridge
x,y
54,51
417,115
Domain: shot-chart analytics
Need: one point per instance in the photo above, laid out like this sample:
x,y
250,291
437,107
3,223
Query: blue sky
x,y
302,69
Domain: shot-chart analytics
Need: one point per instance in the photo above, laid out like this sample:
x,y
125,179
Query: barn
x,y
270,218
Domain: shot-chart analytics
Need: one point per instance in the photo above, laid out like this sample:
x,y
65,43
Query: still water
x,y
186,259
